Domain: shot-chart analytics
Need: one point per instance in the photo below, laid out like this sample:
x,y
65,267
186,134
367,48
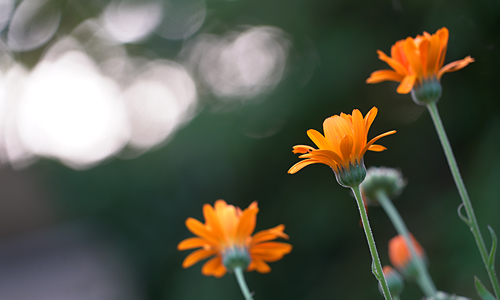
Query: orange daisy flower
x,y
343,145
400,255
417,61
227,236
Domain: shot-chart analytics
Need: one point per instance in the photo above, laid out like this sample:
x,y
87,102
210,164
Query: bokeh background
x,y
119,119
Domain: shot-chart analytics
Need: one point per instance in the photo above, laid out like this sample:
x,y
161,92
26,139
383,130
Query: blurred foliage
x,y
241,153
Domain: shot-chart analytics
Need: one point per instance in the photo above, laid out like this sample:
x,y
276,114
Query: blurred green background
x,y
309,62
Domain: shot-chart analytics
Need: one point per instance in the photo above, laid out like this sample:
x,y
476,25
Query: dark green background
x,y
141,203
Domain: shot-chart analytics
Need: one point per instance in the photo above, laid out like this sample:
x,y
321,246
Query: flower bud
x,y
445,296
351,176
388,180
394,281
427,92
401,258
236,257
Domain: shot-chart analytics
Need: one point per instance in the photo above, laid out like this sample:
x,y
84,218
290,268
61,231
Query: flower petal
x,y
260,266
359,137
407,84
346,149
396,65
414,61
211,265
377,148
370,116
455,66
443,35
433,55
193,242
376,139
197,228
212,220
302,149
301,164
384,75
196,256
318,139
268,235
247,225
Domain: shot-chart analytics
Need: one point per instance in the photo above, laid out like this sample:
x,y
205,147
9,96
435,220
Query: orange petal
x,y
197,228
376,139
260,266
196,256
433,55
423,49
247,225
359,138
325,156
396,65
272,246
443,35
191,243
211,265
411,53
219,271
301,164
212,220
384,75
377,148
269,255
370,116
455,66
318,139
407,84
268,235
302,149
346,149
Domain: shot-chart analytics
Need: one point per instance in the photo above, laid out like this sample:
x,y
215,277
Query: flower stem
x,y
376,267
425,281
242,283
472,221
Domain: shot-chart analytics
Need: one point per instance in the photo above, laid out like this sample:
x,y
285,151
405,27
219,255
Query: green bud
x,y
427,92
394,281
235,257
388,180
351,176
445,296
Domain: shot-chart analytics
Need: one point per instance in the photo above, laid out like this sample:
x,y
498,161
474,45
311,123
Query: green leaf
x,y
482,291
491,260
374,271
464,218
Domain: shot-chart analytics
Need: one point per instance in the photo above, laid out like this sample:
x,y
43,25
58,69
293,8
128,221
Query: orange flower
x,y
343,145
226,235
416,61
400,256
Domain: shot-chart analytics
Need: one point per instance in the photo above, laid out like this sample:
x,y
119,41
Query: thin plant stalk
x,y
472,221
425,281
376,267
242,283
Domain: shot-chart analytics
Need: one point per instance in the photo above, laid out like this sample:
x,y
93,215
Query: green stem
x,y
425,280
371,244
242,283
474,227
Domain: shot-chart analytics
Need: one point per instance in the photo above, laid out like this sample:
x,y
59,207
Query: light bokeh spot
x,y
162,98
182,18
6,8
240,64
131,21
68,110
33,24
